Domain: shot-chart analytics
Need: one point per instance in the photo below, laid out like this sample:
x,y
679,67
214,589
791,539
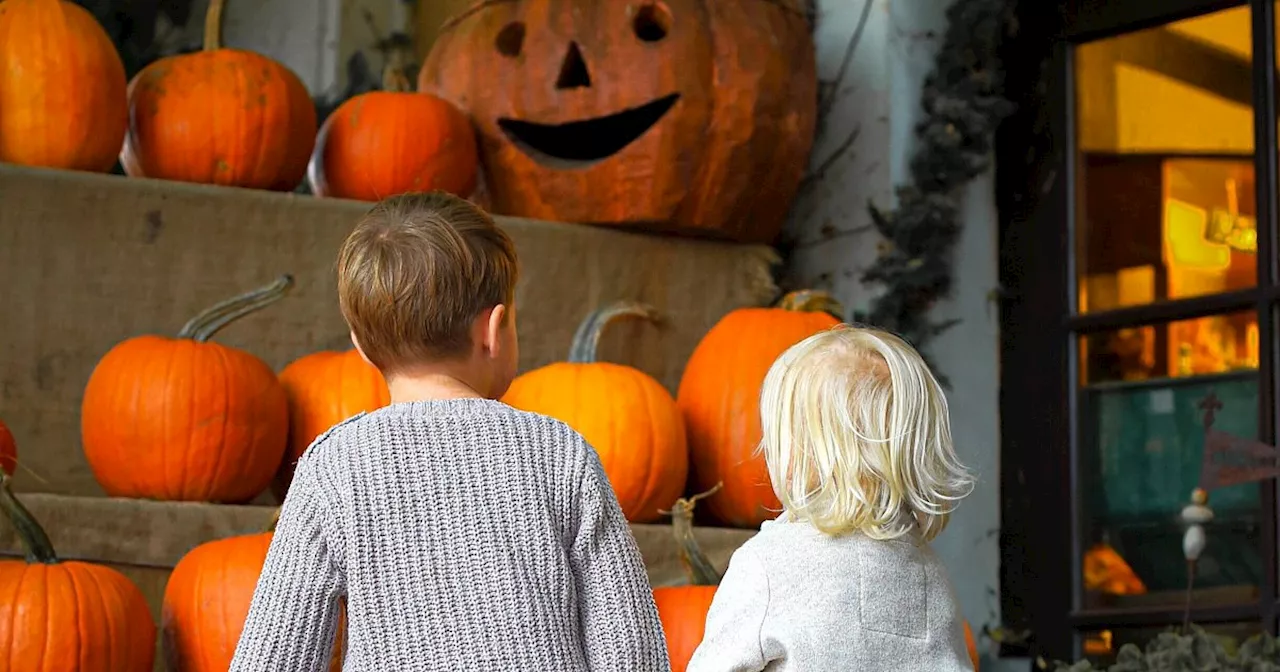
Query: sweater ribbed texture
x,y
464,535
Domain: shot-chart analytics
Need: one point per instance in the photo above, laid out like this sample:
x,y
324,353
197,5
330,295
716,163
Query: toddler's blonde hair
x,y
857,437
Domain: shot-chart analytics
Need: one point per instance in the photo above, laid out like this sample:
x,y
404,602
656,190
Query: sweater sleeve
x,y
731,642
293,619
617,615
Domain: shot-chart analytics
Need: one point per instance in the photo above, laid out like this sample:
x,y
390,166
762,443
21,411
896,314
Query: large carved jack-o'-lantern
x,y
691,116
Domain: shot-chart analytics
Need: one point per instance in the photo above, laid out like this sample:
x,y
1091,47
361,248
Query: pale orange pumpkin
x,y
627,416
59,616
719,397
683,609
184,418
62,88
219,116
207,600
323,389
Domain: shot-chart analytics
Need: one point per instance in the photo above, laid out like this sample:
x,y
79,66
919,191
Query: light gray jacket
x,y
795,599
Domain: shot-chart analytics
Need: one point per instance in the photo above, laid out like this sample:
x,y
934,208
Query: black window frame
x,y
1040,323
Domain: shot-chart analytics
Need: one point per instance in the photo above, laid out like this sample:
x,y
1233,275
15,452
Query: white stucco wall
x,y
881,96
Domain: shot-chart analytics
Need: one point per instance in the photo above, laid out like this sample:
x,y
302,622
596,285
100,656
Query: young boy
x,y
464,535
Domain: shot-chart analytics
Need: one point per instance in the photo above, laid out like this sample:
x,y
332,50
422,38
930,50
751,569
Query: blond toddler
x,y
858,446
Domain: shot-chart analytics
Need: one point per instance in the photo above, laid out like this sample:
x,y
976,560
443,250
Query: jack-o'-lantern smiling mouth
x,y
585,141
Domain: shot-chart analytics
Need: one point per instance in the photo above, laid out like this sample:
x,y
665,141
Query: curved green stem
x,y
202,327
696,565
587,338
812,301
33,537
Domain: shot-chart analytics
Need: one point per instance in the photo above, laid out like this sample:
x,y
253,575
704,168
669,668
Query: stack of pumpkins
x,y
219,116
188,419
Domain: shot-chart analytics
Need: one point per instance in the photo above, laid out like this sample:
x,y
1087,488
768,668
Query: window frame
x,y
1036,154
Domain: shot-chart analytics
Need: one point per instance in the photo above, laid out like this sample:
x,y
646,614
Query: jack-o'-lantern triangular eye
x,y
573,72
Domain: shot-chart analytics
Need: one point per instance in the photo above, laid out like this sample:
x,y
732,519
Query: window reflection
x,y
1165,179
1203,346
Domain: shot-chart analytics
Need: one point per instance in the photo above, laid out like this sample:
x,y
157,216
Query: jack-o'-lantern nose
x,y
573,72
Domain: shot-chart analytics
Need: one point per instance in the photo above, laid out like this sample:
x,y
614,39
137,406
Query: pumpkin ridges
x,y
323,389
151,397
622,412
722,416
220,116
383,143
39,597
44,121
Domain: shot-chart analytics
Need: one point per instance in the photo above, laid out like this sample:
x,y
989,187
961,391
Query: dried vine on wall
x,y
963,103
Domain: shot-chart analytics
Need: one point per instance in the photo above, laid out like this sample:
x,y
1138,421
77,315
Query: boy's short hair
x,y
857,436
415,273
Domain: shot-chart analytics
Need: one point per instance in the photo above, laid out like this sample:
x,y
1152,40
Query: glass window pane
x,y
1165,202
1207,345
1101,646
1141,446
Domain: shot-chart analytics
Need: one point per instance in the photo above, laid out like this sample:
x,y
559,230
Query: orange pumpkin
x,y
972,645
62,88
219,116
624,413
691,116
719,397
683,609
389,142
323,389
8,450
186,419
57,616
207,601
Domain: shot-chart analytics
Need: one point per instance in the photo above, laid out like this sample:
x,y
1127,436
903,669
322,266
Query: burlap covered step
x,y
89,260
145,539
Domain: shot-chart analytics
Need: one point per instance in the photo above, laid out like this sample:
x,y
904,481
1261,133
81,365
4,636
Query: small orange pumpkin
x,y
8,450
683,609
624,413
219,116
323,389
719,396
184,419
207,601
389,142
57,616
62,88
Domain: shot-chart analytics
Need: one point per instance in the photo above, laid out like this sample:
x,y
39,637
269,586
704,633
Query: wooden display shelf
x,y
89,260
145,539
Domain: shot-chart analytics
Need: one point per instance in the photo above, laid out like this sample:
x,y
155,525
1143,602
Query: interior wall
x,y
834,244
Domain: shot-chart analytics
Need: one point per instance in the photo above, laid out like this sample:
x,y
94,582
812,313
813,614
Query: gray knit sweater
x,y
464,535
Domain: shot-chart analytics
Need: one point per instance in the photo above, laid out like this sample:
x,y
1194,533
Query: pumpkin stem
x,y
393,78
696,565
587,338
34,538
812,301
275,520
213,25
202,327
